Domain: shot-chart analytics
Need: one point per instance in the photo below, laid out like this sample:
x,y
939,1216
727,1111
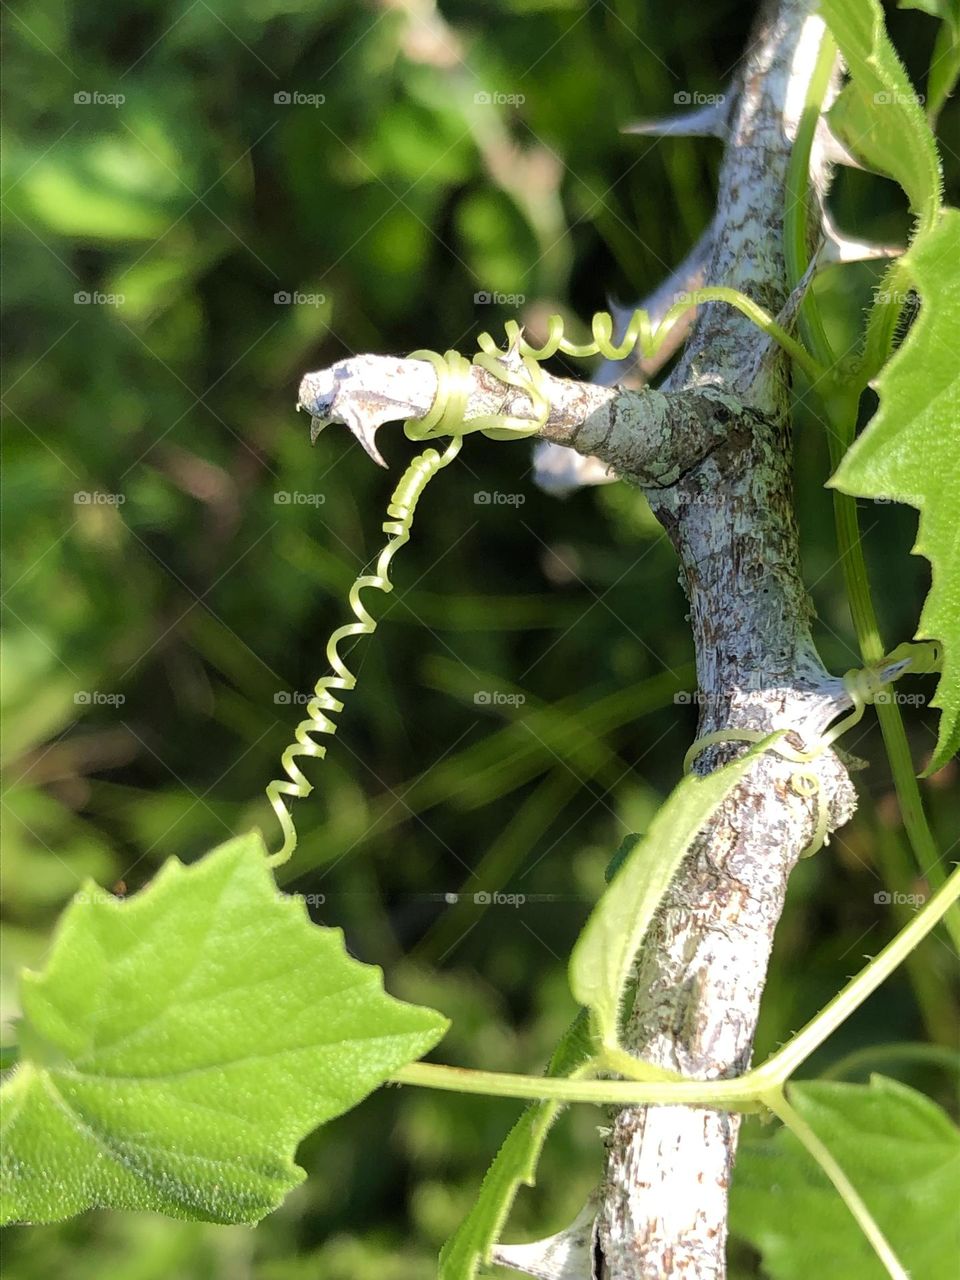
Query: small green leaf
x,y
603,955
910,451
945,59
902,1153
879,114
946,10
944,67
514,1164
179,1045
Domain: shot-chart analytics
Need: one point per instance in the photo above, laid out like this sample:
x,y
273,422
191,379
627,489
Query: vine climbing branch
x,y
719,425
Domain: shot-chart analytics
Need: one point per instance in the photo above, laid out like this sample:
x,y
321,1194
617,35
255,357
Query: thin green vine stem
x,y
616,1059
784,1063
722,1095
797,195
742,1093
777,1102
762,319
840,403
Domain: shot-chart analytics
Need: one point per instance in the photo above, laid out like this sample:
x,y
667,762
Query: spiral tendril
x,y
518,368
864,686
323,704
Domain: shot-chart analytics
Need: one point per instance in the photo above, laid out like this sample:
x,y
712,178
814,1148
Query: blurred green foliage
x,y
160,635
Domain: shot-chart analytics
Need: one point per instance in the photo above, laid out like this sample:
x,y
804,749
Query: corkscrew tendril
x,y
324,703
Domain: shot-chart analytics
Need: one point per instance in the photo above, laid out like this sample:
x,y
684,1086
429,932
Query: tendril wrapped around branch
x,y
864,686
519,366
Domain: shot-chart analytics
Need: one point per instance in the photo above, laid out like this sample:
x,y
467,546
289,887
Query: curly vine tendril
x,y
519,367
864,686
402,505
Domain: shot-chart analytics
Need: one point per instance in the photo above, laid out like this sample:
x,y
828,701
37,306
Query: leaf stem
x,y
762,319
782,1065
777,1102
723,1095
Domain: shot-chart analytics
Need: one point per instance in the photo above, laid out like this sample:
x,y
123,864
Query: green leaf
x,y
944,66
910,451
946,10
514,1164
945,59
902,1153
603,954
879,114
179,1045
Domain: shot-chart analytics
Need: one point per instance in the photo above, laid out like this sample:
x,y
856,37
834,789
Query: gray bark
x,y
711,448
701,971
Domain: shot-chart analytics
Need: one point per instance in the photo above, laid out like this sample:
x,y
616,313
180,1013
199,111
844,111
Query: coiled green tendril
x,y
864,686
400,511
519,366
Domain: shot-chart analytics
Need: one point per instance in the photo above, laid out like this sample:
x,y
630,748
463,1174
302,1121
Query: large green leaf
x,y
901,1152
603,955
514,1164
179,1045
879,113
910,451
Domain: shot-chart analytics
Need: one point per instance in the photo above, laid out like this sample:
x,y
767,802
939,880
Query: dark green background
x,y
204,602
